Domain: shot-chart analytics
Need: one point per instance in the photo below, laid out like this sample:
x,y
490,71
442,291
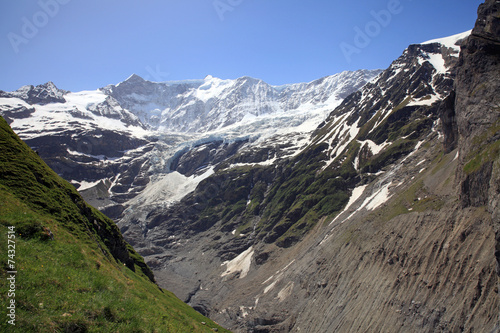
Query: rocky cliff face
x,y
477,108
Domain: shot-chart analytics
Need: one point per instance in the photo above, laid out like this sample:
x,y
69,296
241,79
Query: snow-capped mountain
x,y
113,141
200,106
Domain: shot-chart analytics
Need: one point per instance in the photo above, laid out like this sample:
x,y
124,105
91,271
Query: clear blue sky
x,y
87,44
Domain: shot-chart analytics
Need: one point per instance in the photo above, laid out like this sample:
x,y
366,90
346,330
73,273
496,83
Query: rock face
x,y
477,108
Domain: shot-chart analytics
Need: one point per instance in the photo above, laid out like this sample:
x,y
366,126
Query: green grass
x,y
75,273
483,150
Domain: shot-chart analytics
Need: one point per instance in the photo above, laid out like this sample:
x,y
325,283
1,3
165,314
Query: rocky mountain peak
x,y
488,25
134,79
41,94
200,106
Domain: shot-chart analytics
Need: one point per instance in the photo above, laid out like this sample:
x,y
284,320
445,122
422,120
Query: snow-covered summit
x,y
41,94
452,42
201,106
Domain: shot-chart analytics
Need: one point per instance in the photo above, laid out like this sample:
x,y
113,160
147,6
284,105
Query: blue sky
x,y
84,45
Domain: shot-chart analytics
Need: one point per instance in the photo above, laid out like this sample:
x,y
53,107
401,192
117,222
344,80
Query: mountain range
x,y
362,201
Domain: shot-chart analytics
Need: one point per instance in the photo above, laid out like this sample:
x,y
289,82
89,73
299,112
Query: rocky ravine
x,y
385,223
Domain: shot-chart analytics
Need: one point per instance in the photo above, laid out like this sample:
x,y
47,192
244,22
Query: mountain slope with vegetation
x,y
75,272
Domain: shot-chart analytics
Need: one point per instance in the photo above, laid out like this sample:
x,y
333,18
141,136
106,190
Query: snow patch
x,y
451,41
269,287
356,193
84,185
438,63
348,134
239,264
169,188
378,198
425,101
421,162
277,277
286,292
374,148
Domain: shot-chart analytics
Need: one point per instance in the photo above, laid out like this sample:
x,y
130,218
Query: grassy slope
x,y
85,279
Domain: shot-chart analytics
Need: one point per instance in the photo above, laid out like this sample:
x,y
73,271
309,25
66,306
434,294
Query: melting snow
x,y
375,149
264,163
378,198
285,292
422,161
425,101
86,185
356,193
169,188
437,59
348,134
277,277
239,264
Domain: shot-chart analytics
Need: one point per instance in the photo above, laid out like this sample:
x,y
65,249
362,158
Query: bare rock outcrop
x,y
477,107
